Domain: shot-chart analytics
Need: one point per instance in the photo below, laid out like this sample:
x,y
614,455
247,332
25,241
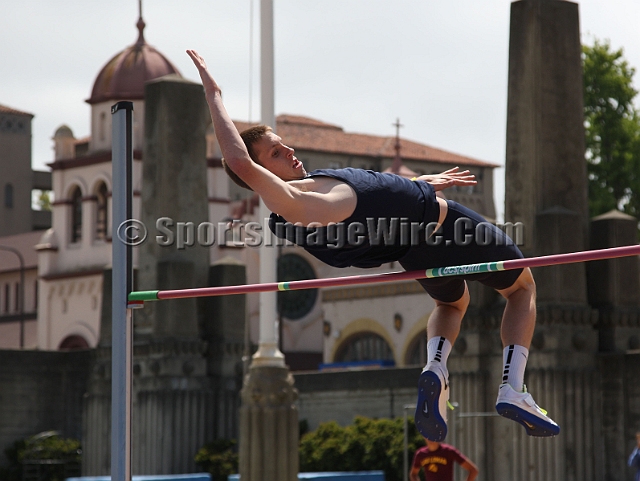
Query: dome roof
x,y
124,76
63,131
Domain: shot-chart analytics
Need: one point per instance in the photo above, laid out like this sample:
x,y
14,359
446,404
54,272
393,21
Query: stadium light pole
x,y
268,352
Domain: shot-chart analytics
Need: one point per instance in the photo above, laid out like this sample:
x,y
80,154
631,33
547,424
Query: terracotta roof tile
x,y
8,110
304,133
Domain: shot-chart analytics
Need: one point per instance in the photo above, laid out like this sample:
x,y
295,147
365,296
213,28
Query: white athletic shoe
x,y
520,407
433,399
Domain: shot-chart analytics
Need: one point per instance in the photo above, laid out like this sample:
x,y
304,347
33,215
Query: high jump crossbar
x,y
137,298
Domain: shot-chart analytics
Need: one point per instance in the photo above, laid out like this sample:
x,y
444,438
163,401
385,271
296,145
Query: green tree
x,y
219,458
612,126
44,200
366,445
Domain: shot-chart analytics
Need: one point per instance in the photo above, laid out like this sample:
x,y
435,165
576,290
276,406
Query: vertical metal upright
x,y
268,352
122,285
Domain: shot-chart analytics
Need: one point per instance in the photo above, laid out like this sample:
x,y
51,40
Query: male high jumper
x,y
349,201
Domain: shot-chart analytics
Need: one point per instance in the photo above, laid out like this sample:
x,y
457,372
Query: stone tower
x,y
546,180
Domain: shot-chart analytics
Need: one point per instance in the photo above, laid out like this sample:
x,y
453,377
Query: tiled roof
x,y
304,133
8,110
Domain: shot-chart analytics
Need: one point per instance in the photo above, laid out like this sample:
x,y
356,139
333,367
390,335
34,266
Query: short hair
x,y
249,136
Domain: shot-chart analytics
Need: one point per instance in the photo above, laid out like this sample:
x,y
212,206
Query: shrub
x,y
218,458
62,455
368,444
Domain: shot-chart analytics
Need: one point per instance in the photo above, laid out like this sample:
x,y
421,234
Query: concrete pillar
x,y
558,233
613,284
269,425
545,163
224,331
174,188
613,416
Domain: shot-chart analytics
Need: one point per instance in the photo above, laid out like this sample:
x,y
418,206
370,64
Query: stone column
x,y
546,179
269,425
173,395
174,188
614,283
224,331
546,190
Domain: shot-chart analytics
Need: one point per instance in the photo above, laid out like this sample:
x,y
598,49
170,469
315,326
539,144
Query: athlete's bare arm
x,y
298,201
307,205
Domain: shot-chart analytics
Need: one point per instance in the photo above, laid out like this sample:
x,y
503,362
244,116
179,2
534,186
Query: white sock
x,y
514,362
438,350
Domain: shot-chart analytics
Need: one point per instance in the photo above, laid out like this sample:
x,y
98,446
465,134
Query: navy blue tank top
x,y
390,210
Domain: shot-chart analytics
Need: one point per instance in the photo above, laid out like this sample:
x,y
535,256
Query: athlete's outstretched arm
x,y
231,145
277,194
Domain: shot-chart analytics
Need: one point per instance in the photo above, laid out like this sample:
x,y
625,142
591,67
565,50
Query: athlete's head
x,y
249,136
266,149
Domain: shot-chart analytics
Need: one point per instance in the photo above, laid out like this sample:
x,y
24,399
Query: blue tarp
x,y
160,477
356,365
346,476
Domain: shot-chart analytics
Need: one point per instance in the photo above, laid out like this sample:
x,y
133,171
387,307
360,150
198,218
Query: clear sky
x,y
439,66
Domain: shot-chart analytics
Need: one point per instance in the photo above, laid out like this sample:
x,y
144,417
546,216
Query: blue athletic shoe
x,y
520,407
431,408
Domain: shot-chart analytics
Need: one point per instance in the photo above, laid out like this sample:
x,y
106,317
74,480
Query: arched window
x,y
101,211
8,196
366,346
71,343
103,126
76,215
417,351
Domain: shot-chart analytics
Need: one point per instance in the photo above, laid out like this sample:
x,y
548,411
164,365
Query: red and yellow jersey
x,y
438,464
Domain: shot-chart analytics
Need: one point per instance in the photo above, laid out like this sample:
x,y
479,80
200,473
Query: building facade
x,y
347,325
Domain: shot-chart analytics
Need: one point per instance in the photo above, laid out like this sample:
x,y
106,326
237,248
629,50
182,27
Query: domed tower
x,y
124,78
64,141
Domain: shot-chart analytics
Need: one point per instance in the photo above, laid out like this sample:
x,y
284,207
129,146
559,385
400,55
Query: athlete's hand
x,y
449,178
210,85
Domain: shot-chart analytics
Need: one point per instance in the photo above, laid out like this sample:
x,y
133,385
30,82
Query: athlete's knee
x,y
461,304
523,284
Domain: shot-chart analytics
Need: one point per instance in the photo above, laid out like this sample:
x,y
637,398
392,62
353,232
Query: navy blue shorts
x,y
465,237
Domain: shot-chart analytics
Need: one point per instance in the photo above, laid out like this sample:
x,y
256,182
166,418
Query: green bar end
x,y
143,296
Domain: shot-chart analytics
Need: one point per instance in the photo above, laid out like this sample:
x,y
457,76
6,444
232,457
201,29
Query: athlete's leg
x,y
433,386
518,324
519,318
446,318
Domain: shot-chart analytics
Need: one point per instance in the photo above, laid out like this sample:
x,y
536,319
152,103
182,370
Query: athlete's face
x,y
277,158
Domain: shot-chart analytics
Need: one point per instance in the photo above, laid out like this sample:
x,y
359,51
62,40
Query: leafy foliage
x,y
612,126
368,444
47,446
51,446
218,458
44,200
